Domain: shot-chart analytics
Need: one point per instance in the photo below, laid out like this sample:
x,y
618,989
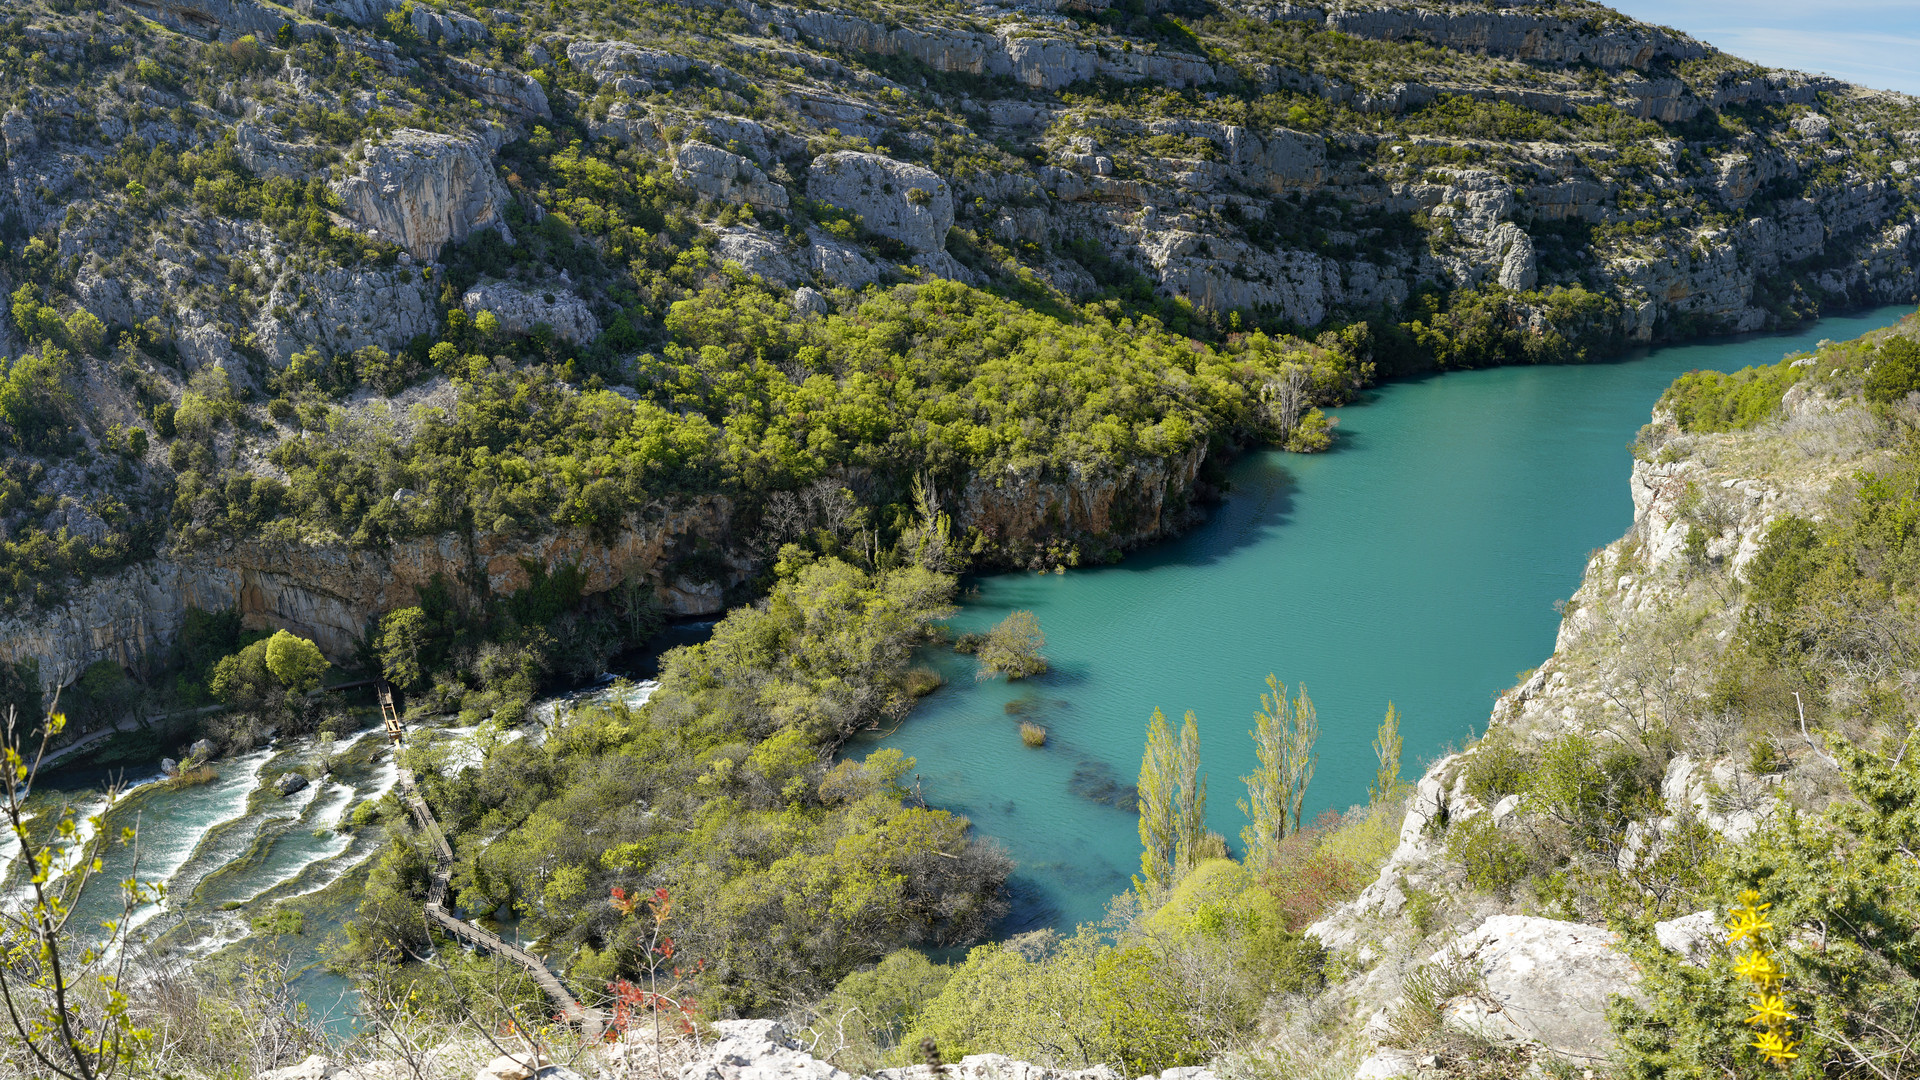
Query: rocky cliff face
x,y
331,592
421,190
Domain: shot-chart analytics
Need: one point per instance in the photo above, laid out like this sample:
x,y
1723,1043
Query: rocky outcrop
x,y
421,190
1542,981
341,309
729,177
1511,32
329,592
520,311
894,198
1030,54
510,90
267,156
1023,510
213,20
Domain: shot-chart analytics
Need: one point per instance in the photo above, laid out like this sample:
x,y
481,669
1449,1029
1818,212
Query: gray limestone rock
x,y
728,177
289,783
1547,982
1694,936
808,302
1512,248
421,190
267,156
16,128
520,311
896,199
510,90
605,59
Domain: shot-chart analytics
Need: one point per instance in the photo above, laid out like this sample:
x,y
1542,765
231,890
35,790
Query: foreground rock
x,y
765,1050
1545,982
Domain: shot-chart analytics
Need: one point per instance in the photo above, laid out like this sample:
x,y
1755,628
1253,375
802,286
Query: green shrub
x,y
1896,370
1704,401
1497,767
1495,862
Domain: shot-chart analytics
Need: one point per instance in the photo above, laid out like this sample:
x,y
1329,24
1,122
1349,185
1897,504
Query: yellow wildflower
x,y
1769,1011
1775,1047
1747,923
1759,969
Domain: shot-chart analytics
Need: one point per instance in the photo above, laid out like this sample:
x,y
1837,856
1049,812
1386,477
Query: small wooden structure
x,y
389,715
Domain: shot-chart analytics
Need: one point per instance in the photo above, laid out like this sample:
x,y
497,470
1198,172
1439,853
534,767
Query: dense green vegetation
x,y
785,869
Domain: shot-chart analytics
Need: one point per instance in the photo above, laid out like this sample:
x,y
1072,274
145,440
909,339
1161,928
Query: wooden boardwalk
x,y
440,914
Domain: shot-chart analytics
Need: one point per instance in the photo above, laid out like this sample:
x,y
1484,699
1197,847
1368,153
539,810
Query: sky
x,y
1871,42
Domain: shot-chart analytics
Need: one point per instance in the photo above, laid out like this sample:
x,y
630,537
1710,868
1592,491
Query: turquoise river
x,y
1418,562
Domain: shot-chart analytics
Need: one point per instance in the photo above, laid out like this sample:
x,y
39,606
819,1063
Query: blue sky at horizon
x,y
1871,42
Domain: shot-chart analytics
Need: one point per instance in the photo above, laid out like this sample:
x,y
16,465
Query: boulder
x,y
726,176
896,199
288,783
421,190
519,312
201,750
169,766
1546,982
1693,936
807,302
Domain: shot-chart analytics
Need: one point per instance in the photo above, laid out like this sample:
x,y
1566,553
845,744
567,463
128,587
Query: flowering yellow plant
x,y
1773,1036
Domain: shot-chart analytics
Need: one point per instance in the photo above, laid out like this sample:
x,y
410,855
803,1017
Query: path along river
x,y
1417,562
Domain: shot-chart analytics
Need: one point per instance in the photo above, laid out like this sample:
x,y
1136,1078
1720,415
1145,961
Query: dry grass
x,y
1032,734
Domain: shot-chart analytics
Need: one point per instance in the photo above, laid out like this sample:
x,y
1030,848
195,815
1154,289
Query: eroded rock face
x,y
897,199
1022,509
729,177
330,592
421,190
520,311
511,90
346,308
1547,982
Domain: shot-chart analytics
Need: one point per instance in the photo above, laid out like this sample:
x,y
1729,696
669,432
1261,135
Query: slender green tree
x,y
1190,816
1157,807
1283,736
1386,747
1303,730
1265,804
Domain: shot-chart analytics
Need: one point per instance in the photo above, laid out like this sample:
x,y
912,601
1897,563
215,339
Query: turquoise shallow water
x,y
1418,562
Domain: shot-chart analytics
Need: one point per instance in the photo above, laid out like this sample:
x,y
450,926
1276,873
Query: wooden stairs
x,y
440,914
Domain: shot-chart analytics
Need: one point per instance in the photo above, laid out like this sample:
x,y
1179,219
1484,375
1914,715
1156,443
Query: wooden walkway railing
x,y
591,1019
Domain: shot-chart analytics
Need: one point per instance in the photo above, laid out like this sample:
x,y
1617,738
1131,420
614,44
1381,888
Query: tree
x,y
1173,805
1157,808
64,1009
1190,825
295,662
1283,736
1266,804
1386,748
404,639
1013,646
1896,370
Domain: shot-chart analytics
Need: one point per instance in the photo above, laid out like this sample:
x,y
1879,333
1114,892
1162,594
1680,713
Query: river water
x,y
1418,563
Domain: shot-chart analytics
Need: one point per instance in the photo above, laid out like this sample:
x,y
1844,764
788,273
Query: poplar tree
x,y
1190,819
1157,807
1283,736
1265,806
1386,747
1303,730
